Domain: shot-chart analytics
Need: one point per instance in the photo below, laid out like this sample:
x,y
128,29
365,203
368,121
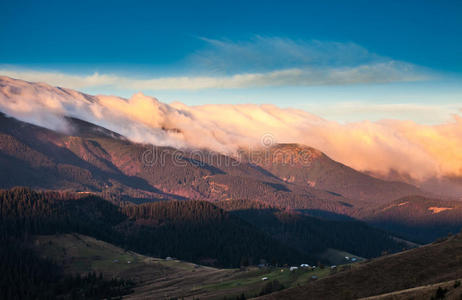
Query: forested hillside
x,y
192,230
200,231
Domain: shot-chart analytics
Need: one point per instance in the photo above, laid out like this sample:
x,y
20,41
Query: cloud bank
x,y
422,151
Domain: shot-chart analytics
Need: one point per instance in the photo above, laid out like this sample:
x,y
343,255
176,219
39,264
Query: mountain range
x,y
86,158
277,204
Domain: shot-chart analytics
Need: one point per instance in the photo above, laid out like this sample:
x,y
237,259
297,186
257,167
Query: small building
x,y
347,257
293,268
169,258
314,277
304,265
333,267
354,259
264,278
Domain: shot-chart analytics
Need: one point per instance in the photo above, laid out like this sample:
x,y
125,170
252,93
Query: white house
x,y
293,268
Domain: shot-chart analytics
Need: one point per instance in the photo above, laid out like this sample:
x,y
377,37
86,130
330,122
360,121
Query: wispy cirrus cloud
x,y
260,62
263,54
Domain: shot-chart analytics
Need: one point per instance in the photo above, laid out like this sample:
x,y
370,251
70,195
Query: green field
x,y
160,278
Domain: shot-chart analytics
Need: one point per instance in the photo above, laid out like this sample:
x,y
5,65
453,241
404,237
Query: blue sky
x,y
343,60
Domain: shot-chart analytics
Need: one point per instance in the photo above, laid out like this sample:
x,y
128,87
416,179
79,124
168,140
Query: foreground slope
x,y
433,263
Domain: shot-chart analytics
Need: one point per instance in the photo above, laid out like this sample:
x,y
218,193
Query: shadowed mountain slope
x,y
418,218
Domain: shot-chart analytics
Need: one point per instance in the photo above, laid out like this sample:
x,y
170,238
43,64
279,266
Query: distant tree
x,y
440,293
